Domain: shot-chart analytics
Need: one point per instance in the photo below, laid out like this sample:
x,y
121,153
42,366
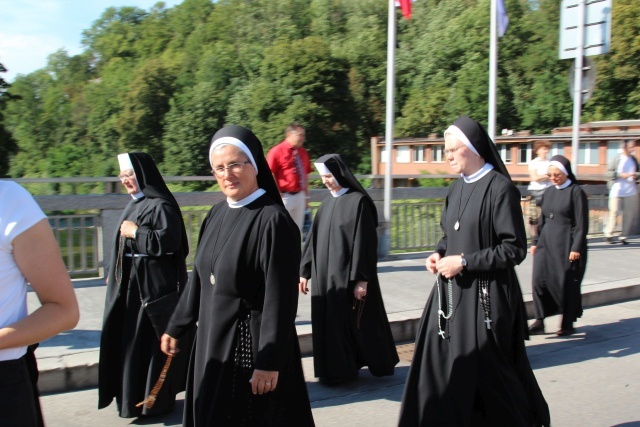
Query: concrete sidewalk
x,y
588,379
70,360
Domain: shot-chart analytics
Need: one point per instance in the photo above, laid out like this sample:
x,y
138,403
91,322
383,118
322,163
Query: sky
x,y
31,30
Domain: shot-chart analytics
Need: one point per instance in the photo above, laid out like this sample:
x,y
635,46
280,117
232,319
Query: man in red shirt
x,y
290,165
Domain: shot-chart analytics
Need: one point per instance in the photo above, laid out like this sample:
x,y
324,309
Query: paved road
x,y
590,379
405,287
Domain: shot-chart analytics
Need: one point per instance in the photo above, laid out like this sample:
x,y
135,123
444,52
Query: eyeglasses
x,y
127,175
234,168
446,152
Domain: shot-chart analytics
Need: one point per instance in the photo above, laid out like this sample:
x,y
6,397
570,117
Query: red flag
x,y
405,5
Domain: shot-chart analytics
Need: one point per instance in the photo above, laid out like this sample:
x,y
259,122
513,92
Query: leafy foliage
x,y
164,80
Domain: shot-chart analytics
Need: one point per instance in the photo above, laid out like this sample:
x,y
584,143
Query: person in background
x,y
470,366
29,253
560,250
245,369
538,181
340,257
622,173
290,165
146,276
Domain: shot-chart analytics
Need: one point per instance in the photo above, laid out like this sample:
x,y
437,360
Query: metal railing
x,y
415,226
77,237
192,221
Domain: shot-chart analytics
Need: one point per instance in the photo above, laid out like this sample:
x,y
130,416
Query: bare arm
x,y
38,257
534,176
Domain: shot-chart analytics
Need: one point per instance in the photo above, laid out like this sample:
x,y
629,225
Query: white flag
x,y
503,19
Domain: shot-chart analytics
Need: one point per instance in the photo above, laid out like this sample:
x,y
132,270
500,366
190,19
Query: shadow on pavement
x,y
74,339
363,389
397,269
581,346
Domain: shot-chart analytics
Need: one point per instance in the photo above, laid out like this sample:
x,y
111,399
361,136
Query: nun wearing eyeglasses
x,y
146,276
560,250
470,367
350,325
245,369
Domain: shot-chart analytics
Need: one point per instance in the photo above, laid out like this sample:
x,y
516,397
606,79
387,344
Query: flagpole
x,y
577,87
493,70
388,139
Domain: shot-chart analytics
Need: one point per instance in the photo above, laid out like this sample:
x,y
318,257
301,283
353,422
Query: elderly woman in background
x,y
340,257
148,271
470,366
560,249
245,368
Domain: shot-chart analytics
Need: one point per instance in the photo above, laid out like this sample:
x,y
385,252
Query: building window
x,y
403,154
505,152
419,153
613,149
588,153
557,149
384,156
437,153
524,153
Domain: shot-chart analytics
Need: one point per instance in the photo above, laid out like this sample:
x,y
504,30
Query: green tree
x,y
7,144
115,34
164,80
145,102
301,81
443,69
617,92
104,98
541,90
193,119
32,118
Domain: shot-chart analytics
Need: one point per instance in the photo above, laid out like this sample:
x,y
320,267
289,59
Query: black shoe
x,y
609,240
536,328
564,332
624,241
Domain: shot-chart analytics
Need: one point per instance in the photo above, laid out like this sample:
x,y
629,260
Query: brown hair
x,y
538,144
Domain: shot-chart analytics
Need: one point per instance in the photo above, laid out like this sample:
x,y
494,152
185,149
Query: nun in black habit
x,y
145,278
349,321
245,369
560,249
470,367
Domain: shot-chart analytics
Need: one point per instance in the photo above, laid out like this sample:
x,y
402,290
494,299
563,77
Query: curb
x,y
80,370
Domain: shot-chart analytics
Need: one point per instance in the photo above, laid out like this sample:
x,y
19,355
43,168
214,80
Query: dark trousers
x,y
19,402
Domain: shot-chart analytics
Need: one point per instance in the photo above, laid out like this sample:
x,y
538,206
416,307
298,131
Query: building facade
x,y
599,143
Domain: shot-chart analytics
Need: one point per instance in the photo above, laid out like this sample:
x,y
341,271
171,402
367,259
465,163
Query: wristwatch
x,y
463,261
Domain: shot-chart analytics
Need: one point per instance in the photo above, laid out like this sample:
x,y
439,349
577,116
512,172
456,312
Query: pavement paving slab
x,y
589,379
69,361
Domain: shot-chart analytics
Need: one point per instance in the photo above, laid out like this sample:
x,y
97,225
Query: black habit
x,y
341,250
562,229
148,268
243,294
474,375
